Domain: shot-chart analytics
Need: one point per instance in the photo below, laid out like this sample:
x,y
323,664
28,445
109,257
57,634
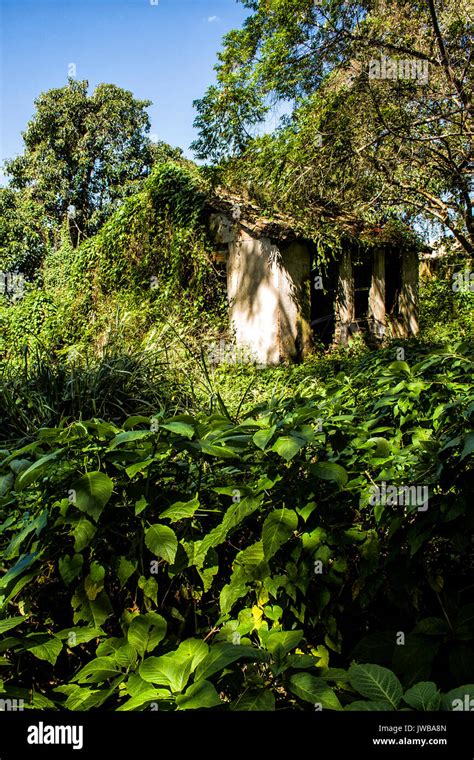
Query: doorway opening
x,y
393,282
324,279
362,272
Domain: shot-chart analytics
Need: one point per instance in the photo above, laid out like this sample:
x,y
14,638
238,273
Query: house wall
x,y
406,321
252,290
408,299
268,292
344,304
376,311
294,286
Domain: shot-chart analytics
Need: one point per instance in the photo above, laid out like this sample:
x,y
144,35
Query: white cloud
x,y
211,19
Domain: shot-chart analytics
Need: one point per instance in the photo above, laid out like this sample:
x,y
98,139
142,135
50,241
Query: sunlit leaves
x,y
162,542
376,683
92,492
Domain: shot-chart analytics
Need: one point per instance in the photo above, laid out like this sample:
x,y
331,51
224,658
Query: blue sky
x,y
163,52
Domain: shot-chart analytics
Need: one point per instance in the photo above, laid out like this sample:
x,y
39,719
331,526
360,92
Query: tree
x,y
26,233
83,153
380,117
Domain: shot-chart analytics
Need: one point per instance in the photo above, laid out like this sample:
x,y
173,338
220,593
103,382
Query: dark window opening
x,y
393,281
362,280
324,279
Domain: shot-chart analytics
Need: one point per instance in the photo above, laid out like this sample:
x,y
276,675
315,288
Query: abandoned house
x,y
282,303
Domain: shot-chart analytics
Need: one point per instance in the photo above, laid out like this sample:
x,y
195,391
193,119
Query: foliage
x,y
446,307
24,235
201,561
37,392
386,144
148,267
83,153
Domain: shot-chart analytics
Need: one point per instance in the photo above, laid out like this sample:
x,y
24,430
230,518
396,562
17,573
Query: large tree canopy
x,y
83,153
376,94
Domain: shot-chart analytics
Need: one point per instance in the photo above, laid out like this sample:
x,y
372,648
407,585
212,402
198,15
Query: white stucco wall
x,y
266,294
252,287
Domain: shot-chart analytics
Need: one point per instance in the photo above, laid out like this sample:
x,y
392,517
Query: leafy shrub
x,y
202,561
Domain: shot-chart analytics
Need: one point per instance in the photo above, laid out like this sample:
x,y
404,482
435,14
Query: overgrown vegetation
x,y
171,550
177,534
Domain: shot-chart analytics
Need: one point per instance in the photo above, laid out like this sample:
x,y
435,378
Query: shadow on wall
x,y
267,297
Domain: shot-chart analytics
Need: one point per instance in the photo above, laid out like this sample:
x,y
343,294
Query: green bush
x,y
146,563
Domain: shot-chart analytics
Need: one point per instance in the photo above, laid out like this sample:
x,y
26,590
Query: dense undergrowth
x,y
206,560
177,535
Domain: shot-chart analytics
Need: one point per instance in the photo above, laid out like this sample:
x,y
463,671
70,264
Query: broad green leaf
x,y
162,542
70,567
468,445
137,419
6,482
180,510
126,656
174,669
376,683
168,670
214,450
126,568
128,437
432,627
194,649
37,525
144,699
24,450
231,592
92,492
277,529
83,533
382,447
8,623
94,582
98,670
287,446
82,699
423,696
137,467
330,471
149,586
146,632
198,695
140,505
259,701
180,428
93,611
314,690
80,635
43,647
396,367
233,517
307,510
36,470
23,562
222,655
459,699
263,437
280,643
